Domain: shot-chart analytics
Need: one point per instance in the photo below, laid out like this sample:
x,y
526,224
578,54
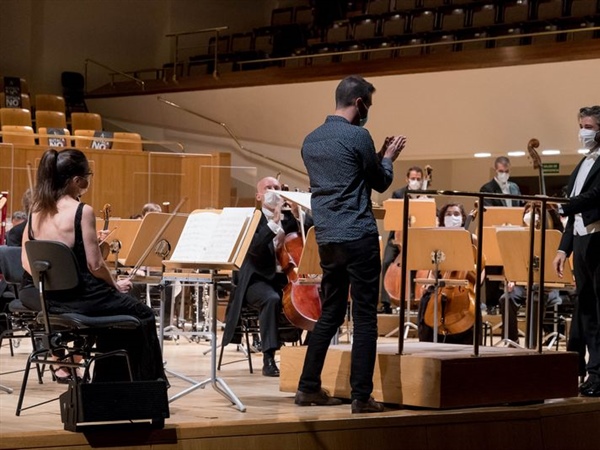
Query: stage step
x,y
446,375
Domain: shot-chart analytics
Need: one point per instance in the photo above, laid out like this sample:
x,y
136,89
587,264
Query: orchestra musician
x,y
57,215
414,180
14,237
260,280
582,239
451,215
343,168
500,184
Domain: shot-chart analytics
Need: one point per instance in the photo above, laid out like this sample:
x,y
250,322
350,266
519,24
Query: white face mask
x,y
527,218
414,185
502,177
452,221
587,138
271,199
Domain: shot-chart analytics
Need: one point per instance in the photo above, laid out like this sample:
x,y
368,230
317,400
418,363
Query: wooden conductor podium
x,y
211,241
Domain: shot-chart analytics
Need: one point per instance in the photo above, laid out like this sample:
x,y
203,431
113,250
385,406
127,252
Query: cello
x,y
455,303
391,280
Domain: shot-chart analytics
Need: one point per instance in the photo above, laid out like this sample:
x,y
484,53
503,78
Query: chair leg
x,y
30,359
247,336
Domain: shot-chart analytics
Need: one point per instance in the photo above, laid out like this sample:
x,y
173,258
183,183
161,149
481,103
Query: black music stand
x,y
440,249
212,245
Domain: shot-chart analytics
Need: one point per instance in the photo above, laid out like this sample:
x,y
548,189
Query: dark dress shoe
x,y
385,309
591,390
270,368
591,379
370,406
320,398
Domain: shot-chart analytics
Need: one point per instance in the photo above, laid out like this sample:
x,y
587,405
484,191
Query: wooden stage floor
x,y
204,419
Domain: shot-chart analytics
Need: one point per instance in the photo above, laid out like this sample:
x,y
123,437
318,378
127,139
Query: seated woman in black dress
x,y
57,215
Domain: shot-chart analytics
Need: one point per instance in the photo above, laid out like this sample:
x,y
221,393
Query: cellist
x,y
451,215
260,280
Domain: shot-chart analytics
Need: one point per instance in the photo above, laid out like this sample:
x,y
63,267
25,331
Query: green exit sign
x,y
551,167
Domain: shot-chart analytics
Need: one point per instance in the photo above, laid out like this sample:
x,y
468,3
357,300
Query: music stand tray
x,y
502,215
422,213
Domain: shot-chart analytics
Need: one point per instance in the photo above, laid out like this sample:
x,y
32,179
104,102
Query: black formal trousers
x,y
586,319
347,267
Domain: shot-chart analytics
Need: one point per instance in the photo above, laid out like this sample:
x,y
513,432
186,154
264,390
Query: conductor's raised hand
x,y
392,146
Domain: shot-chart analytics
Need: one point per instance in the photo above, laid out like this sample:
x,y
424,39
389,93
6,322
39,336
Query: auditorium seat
x,y
423,22
411,47
351,46
384,49
304,15
549,9
509,41
405,5
378,7
545,38
583,8
85,121
516,11
50,119
446,44
393,25
134,141
432,3
50,102
84,138
282,16
58,141
25,102
23,86
339,31
484,15
364,27
17,135
453,19
15,116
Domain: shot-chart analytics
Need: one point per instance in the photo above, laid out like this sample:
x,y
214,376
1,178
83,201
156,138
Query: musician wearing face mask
x,y
260,280
500,184
582,238
414,181
451,215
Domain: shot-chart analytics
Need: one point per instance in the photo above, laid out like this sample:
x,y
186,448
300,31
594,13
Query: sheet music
x,y
211,236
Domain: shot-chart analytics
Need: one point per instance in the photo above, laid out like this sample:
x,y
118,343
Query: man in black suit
x,y
500,184
260,280
414,181
582,238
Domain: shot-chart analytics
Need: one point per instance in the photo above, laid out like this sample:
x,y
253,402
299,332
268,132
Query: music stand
x,y
122,235
514,244
492,255
422,212
212,244
440,249
502,216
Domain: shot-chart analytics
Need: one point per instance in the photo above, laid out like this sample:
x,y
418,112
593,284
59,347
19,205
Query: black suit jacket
x,y
587,203
494,188
259,263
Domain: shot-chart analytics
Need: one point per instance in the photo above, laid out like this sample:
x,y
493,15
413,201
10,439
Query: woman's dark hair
x,y
443,210
55,171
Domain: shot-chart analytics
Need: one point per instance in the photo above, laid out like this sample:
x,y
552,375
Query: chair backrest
x,y
86,121
58,141
10,264
83,142
50,102
134,141
17,135
25,102
50,119
54,262
15,116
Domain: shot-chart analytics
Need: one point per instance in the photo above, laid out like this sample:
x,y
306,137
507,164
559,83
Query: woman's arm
x,y
95,262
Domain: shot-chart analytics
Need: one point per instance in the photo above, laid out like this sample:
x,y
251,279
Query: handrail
x,y
114,71
424,45
215,30
234,137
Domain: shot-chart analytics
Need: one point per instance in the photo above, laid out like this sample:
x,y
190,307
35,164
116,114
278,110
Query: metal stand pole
x,y
216,382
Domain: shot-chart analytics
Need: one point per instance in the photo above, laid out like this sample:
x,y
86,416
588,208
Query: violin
x,y
455,304
3,216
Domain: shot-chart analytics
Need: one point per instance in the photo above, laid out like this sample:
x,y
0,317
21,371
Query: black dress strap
x,y
78,247
30,227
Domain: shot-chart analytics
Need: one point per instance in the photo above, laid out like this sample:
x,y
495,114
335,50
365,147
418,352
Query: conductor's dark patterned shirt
x,y
343,168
